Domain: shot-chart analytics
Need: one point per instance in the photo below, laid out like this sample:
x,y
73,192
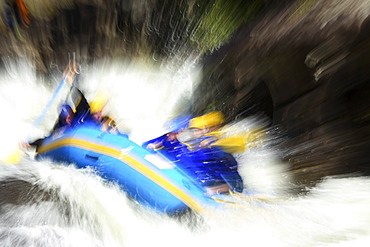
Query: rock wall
x,y
310,75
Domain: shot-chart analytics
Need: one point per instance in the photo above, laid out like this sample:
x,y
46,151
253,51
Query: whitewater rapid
x,y
48,204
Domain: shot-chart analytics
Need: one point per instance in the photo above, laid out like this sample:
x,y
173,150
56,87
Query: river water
x,y
48,204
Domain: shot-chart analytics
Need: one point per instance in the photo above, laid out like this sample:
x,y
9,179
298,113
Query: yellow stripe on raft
x,y
129,161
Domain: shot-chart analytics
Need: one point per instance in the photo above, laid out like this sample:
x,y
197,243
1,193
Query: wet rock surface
x,y
312,83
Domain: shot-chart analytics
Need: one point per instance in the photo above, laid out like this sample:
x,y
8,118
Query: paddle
x,y
15,157
240,142
51,101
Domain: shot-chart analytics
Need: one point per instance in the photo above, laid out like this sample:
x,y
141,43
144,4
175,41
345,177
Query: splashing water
x,y
48,204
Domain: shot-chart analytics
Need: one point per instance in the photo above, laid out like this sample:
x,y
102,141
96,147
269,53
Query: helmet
x,y
208,120
65,110
98,103
177,124
213,118
197,122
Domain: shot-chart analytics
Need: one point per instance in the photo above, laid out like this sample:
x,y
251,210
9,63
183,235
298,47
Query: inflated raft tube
x,y
146,177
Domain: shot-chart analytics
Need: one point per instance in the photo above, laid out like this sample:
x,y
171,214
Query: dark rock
x,y
314,83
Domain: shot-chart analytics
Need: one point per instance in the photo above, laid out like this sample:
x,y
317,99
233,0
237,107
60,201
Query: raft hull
x,y
148,178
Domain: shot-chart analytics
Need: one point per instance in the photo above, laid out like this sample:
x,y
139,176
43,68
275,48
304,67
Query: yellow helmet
x,y
98,103
197,122
213,118
208,120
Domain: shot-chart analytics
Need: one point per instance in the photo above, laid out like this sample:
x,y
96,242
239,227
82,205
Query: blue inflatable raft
x,y
149,178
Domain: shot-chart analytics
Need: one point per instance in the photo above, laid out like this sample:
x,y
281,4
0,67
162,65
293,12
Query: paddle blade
x,y
239,143
233,144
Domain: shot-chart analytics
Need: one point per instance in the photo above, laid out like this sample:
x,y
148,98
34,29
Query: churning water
x,y
48,204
